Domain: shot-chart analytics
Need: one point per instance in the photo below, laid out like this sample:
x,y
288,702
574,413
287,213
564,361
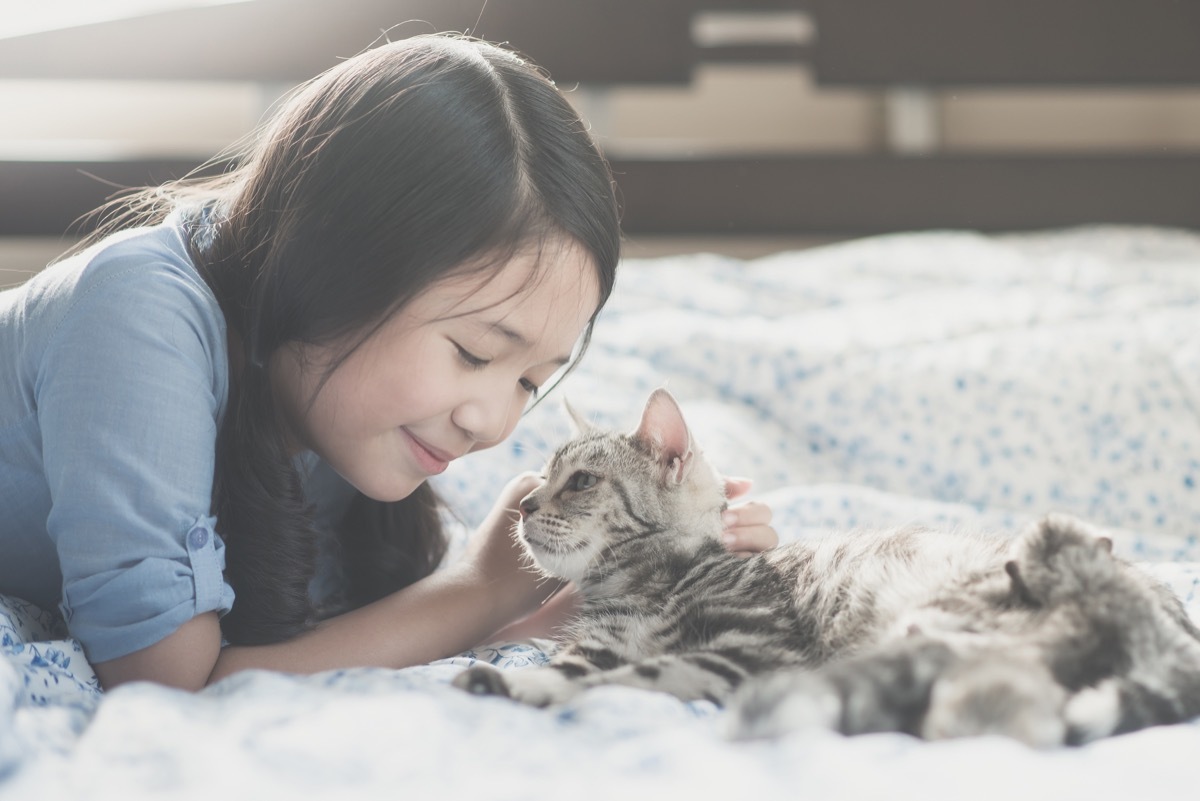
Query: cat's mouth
x,y
543,554
531,541
543,543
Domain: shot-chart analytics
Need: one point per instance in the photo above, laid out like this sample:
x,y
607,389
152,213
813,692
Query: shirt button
x,y
198,537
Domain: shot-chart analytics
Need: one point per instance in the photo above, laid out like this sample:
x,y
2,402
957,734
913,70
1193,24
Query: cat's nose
x,y
528,506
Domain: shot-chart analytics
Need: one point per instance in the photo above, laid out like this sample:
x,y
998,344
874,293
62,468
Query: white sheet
x,y
941,377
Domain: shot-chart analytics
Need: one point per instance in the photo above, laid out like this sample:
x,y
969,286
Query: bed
x,y
944,377
990,337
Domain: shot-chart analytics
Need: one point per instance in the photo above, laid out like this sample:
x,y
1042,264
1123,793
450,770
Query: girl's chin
x,y
386,492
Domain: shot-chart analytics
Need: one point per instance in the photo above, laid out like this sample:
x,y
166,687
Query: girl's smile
x,y
434,461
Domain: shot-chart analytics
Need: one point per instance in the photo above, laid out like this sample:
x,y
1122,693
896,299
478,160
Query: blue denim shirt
x,y
114,377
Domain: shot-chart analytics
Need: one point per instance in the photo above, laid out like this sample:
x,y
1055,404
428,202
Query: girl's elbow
x,y
184,659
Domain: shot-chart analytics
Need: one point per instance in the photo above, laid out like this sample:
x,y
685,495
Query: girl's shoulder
x,y
132,302
143,278
151,262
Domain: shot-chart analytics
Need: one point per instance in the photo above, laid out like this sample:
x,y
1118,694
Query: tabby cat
x,y
1045,637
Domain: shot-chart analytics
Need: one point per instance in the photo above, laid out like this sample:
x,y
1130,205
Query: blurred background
x,y
741,127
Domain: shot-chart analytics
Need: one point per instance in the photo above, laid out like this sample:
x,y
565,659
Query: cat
x,y
1044,637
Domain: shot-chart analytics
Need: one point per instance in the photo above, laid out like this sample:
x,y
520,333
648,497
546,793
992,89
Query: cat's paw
x,y
776,705
1093,712
1056,560
482,680
538,687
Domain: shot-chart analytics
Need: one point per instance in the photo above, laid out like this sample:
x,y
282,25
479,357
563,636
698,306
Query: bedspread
x,y
942,377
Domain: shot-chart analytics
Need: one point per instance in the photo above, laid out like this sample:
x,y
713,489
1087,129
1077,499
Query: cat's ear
x,y
664,429
579,423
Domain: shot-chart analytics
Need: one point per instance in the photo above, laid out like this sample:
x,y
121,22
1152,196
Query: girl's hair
x,y
414,160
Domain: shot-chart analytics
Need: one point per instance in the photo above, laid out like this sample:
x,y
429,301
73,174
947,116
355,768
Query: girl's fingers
x,y
750,513
737,487
748,530
749,540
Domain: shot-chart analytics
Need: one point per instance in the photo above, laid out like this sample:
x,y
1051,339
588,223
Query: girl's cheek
x,y
513,418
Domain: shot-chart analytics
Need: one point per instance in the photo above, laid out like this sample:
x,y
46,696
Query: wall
x,y
728,108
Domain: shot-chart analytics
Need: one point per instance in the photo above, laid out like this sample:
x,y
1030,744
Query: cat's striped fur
x,y
1045,637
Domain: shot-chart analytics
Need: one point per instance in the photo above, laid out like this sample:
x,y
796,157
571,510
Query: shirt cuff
x,y
117,612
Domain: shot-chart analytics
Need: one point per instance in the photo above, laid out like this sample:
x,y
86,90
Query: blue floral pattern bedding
x,y
940,377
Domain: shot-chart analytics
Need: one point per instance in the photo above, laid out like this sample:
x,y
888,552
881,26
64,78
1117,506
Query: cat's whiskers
x,y
542,455
545,577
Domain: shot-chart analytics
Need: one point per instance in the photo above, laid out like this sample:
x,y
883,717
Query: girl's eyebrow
x,y
517,338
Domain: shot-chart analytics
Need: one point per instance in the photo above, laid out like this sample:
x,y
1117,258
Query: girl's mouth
x,y
431,460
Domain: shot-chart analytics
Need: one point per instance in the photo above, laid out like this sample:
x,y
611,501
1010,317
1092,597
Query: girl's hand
x,y
499,560
747,525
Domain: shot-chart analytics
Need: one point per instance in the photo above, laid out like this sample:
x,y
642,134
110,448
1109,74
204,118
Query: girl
x,y
217,420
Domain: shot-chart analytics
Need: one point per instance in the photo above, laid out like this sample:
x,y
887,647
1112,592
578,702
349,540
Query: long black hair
x,y
411,161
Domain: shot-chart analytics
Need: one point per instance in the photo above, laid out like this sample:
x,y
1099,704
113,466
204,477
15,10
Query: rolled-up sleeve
x,y
128,607
129,399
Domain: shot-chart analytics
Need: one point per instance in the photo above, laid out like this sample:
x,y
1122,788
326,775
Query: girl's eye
x,y
529,387
582,481
470,359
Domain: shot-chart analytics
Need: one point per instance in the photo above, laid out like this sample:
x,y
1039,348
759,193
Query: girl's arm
x,y
442,615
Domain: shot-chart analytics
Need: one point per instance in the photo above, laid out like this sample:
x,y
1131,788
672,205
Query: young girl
x,y
217,420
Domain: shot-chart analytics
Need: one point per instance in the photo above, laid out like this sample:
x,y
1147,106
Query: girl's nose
x,y
485,419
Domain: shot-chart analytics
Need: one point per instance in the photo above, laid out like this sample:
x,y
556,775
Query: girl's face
x,y
449,374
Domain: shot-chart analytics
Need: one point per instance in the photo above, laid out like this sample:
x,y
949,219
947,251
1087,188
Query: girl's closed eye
x,y
475,362
470,359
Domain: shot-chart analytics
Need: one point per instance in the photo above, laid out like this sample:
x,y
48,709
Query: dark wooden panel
x,y
851,195
757,54
48,198
831,195
1007,41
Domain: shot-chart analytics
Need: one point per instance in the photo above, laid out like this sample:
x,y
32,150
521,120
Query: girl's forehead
x,y
563,274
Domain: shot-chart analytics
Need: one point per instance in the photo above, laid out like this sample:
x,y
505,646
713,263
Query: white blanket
x,y
942,377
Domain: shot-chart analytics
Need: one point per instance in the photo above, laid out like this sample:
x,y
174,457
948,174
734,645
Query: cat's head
x,y
610,498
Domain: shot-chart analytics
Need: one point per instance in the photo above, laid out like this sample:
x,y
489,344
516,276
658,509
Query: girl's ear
x,y
579,424
664,429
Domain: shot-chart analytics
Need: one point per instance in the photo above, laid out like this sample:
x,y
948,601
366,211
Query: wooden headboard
x,y
904,49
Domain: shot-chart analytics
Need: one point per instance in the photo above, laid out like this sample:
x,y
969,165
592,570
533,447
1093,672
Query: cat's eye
x,y
581,481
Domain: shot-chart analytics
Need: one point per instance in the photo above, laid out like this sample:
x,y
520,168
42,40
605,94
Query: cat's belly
x,y
862,587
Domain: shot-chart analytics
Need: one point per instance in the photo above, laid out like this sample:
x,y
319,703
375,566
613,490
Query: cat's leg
x,y
920,687
596,660
694,676
888,690
1120,705
558,682
997,693
699,675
